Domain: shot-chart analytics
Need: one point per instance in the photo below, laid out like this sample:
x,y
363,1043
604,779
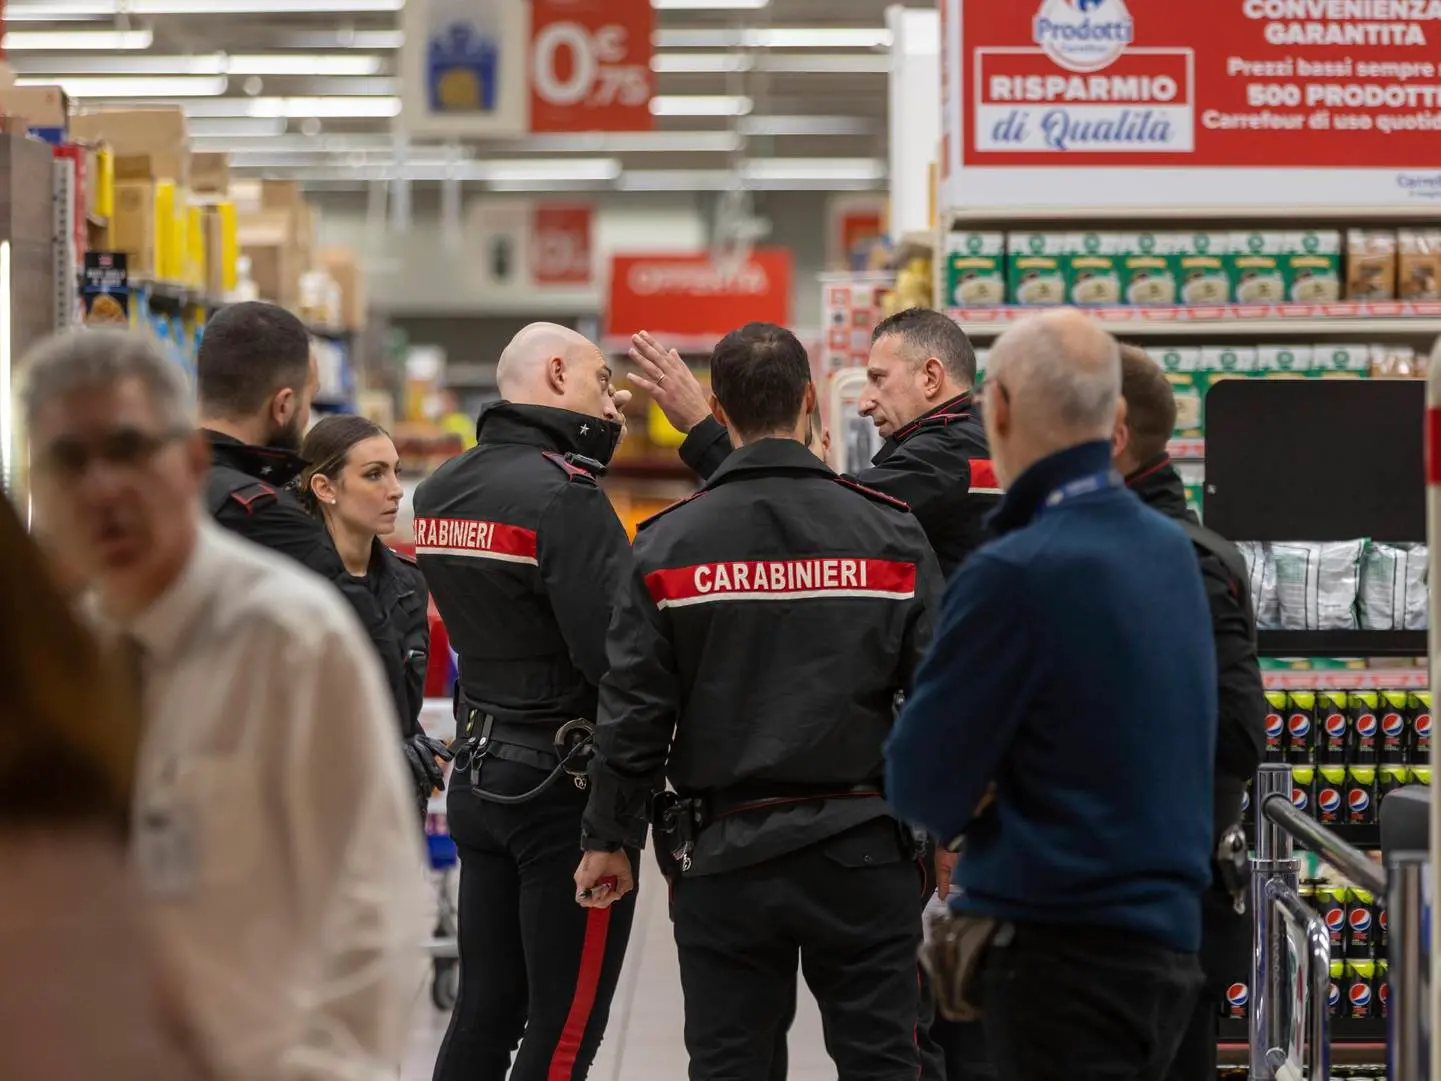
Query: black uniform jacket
x,y
939,465
523,553
768,625
247,493
404,633
1241,735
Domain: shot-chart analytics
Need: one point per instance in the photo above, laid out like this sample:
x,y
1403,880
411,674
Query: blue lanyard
x,y
1086,485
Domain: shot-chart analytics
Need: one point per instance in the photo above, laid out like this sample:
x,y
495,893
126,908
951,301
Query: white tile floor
x,y
643,1042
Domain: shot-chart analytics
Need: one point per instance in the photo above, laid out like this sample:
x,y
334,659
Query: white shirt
x,y
274,834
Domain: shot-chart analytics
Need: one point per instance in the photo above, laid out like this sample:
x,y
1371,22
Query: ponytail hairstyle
x,y
326,450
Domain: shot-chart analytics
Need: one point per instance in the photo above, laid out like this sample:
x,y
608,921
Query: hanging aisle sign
x,y
498,68
1127,103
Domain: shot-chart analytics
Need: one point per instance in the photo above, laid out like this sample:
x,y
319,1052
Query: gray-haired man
x,y
278,855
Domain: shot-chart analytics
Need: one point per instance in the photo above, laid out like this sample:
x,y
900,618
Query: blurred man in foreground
x,y
1140,454
1063,725
524,553
755,656
272,829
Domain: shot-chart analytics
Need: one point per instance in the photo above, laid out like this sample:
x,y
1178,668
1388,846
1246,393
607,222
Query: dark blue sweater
x,y
1073,668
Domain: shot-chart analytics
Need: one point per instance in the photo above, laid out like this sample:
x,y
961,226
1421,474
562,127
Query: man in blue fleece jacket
x,y
1063,727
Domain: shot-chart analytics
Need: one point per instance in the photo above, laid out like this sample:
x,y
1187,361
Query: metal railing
x,y
1290,1028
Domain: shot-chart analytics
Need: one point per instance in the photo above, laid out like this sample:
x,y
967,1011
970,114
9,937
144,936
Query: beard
x,y
289,437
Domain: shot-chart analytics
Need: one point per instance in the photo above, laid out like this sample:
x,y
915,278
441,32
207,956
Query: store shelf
x,y
175,293
1352,679
1341,643
1380,319
1187,450
1014,215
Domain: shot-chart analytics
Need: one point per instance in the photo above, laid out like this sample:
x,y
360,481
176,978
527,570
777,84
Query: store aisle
x,y
644,1040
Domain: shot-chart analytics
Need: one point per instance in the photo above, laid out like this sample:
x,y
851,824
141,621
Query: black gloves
x,y
421,753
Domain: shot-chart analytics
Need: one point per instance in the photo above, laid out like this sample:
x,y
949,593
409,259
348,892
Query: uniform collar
x,y
1160,487
770,456
270,464
961,407
171,617
548,428
1025,496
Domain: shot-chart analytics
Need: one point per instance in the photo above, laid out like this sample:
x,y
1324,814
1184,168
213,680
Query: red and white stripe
x,y
582,1003
471,538
818,578
983,478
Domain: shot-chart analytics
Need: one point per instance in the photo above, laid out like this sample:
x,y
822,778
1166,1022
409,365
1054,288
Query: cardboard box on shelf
x,y
158,133
133,226
220,249
253,196
275,269
343,266
210,174
46,109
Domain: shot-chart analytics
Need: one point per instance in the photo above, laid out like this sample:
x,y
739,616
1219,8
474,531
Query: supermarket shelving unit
x,y
1372,488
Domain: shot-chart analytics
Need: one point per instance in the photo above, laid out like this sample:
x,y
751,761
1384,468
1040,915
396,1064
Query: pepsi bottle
x,y
1331,719
1393,727
1331,795
1365,744
1360,925
1300,738
1361,795
1275,726
1418,718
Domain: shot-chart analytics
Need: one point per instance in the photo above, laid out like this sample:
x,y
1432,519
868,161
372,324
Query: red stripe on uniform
x,y
983,474
592,960
1433,445
818,578
472,537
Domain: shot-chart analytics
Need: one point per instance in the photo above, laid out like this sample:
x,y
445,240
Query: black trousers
x,y
846,910
1085,1004
536,970
1225,959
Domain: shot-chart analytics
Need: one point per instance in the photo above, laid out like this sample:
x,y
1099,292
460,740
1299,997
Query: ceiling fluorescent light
x,y
825,63
807,125
522,172
301,64
340,108
701,105
44,11
806,169
342,39
820,37
17,41
699,63
304,64
224,129
141,87
678,180
49,10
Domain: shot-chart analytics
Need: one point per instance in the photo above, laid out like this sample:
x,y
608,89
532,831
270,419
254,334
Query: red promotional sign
x,y
590,65
560,245
1344,96
692,295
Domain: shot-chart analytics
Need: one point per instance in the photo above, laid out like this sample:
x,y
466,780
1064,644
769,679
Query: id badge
x,y
165,853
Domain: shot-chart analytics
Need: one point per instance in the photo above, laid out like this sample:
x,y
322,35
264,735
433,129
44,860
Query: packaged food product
x,y
1393,594
1313,267
1228,358
1093,268
1148,268
1303,782
1277,360
1201,271
1371,264
1331,728
976,269
1332,359
1331,795
1393,362
1418,264
1360,803
1300,739
1418,724
1363,745
1261,576
1275,726
1257,266
1317,583
1392,722
1036,268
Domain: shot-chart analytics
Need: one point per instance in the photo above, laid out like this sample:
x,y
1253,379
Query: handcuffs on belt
x,y
573,749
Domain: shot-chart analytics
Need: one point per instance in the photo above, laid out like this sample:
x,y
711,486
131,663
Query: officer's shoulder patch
x,y
404,557
658,515
872,494
571,467
254,496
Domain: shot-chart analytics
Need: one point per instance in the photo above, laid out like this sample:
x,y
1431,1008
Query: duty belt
x,y
565,751
678,819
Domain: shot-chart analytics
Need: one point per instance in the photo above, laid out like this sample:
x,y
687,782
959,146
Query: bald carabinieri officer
x,y
523,553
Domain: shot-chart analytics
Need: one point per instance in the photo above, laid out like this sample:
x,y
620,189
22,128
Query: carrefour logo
x,y
1084,35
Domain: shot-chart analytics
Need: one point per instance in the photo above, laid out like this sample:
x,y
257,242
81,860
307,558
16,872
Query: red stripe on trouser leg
x,y
592,960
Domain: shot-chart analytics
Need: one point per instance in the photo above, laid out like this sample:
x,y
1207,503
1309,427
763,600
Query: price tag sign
x,y
560,252
590,65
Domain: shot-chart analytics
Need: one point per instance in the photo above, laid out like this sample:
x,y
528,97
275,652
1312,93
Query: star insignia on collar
x,y
266,470
584,429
